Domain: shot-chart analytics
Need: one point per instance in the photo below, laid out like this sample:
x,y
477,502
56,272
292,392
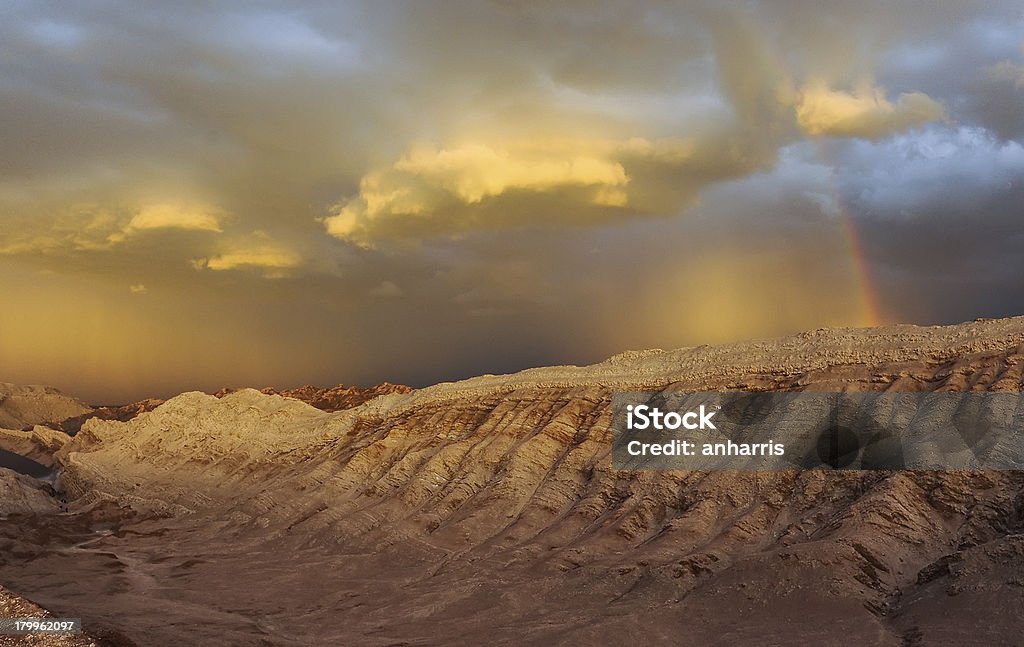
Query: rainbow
x,y
860,270
859,267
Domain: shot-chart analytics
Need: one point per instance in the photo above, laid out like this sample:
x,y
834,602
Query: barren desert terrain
x,y
487,511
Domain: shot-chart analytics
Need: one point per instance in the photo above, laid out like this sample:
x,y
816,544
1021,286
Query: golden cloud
x,y
272,259
474,172
441,191
865,112
82,227
170,216
98,228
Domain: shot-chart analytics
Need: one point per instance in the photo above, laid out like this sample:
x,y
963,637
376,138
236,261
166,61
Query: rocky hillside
x,y
12,606
336,398
21,407
123,413
20,494
487,510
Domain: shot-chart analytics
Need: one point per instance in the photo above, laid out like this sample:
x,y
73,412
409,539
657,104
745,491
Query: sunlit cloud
x,y
474,172
95,228
75,228
427,181
438,192
170,216
270,259
865,112
518,183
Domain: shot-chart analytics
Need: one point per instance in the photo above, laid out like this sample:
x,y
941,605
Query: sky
x,y
282,193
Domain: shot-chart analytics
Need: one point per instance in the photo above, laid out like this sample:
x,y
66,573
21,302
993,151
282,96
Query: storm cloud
x,y
227,194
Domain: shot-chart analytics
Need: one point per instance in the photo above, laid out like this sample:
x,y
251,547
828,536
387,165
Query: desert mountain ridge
x,y
51,406
487,509
22,407
26,406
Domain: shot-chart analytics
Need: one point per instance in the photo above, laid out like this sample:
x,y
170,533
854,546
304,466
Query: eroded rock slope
x,y
487,510
22,407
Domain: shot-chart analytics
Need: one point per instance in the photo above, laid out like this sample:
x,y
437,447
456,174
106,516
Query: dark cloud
x,y
942,214
274,193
